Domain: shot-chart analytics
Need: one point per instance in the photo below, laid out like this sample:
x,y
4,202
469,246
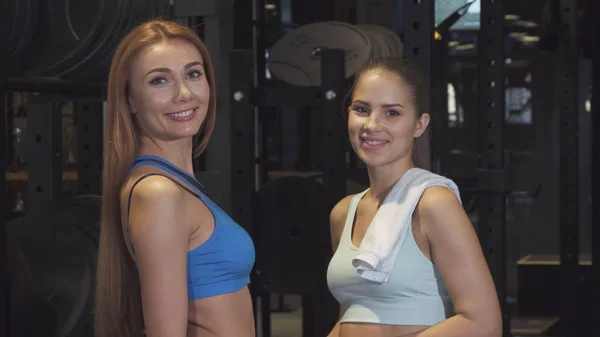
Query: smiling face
x,y
168,91
383,119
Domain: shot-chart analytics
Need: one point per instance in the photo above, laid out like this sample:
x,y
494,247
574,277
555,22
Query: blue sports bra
x,y
223,263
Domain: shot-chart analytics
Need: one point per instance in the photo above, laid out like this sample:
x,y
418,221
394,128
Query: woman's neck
x,y
383,178
178,152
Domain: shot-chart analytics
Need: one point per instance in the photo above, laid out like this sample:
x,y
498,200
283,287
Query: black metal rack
x,y
245,97
595,161
568,68
492,209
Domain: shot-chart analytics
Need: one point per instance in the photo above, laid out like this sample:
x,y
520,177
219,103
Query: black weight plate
x,y
292,235
24,301
137,14
27,50
16,28
114,20
73,26
9,7
59,243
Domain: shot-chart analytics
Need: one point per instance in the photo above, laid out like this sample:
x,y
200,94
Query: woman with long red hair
x,y
171,262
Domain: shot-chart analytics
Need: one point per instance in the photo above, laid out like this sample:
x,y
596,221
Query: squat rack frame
x,y
244,99
491,172
595,161
568,104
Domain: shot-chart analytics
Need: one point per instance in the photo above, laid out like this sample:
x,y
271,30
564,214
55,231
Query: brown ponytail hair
x,y
118,311
412,74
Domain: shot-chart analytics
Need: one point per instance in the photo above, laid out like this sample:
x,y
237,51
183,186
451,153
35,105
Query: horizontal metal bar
x,y
50,85
195,8
286,95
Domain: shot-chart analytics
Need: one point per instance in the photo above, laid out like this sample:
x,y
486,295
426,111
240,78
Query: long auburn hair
x,y
413,75
118,311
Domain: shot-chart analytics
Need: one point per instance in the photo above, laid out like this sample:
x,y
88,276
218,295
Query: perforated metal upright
x,y
419,29
491,180
334,126
44,151
4,211
90,131
568,68
595,160
218,27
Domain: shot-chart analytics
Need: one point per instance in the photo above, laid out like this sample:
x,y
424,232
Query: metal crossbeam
x,y
492,213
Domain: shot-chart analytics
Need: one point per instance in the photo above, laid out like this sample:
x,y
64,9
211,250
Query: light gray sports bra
x,y
414,295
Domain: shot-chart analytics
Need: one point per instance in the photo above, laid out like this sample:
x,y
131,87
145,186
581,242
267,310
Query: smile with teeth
x,y
181,114
374,142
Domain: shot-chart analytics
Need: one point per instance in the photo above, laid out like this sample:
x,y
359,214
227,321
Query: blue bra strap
x,y
167,166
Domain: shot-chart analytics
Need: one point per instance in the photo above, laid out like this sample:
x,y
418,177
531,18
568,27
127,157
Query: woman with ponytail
x,y
407,261
171,262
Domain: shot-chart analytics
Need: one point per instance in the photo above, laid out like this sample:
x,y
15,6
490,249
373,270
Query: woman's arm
x,y
457,253
337,218
160,240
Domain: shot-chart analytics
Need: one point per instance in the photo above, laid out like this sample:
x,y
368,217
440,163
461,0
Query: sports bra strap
x,y
131,193
167,166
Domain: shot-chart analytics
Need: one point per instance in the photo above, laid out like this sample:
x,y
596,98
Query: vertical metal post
x,y
288,128
334,126
90,131
492,213
595,161
218,17
323,306
419,29
4,212
243,155
439,106
568,67
44,152
242,128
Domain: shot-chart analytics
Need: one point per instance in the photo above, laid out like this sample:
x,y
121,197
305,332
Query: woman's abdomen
x,y
227,315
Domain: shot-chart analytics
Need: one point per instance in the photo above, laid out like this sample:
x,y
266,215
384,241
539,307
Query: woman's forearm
x,y
459,325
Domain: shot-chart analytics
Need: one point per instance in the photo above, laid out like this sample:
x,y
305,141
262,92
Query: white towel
x,y
383,240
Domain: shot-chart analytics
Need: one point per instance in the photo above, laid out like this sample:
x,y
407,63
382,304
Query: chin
x,y
372,160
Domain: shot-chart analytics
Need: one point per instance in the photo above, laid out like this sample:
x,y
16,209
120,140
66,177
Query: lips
x,y
184,115
372,144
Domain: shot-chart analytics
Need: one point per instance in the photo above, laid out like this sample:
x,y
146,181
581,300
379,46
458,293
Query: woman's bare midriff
x,y
377,330
227,315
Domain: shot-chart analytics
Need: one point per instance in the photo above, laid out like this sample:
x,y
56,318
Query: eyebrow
x,y
166,70
383,105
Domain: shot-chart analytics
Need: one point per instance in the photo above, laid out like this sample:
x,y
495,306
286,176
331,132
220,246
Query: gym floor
x,y
287,323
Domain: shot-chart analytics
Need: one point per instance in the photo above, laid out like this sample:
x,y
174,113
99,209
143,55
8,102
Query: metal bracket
x,y
192,8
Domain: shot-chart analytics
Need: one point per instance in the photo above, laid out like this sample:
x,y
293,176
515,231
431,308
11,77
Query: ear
x,y
131,102
422,124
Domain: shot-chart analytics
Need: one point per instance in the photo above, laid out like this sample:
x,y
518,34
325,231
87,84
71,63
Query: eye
x,y
360,109
194,74
393,113
157,81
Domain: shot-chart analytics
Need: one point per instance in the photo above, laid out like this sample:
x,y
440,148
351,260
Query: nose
x,y
371,122
183,92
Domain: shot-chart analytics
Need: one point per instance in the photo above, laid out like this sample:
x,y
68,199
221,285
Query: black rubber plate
x,y
73,27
